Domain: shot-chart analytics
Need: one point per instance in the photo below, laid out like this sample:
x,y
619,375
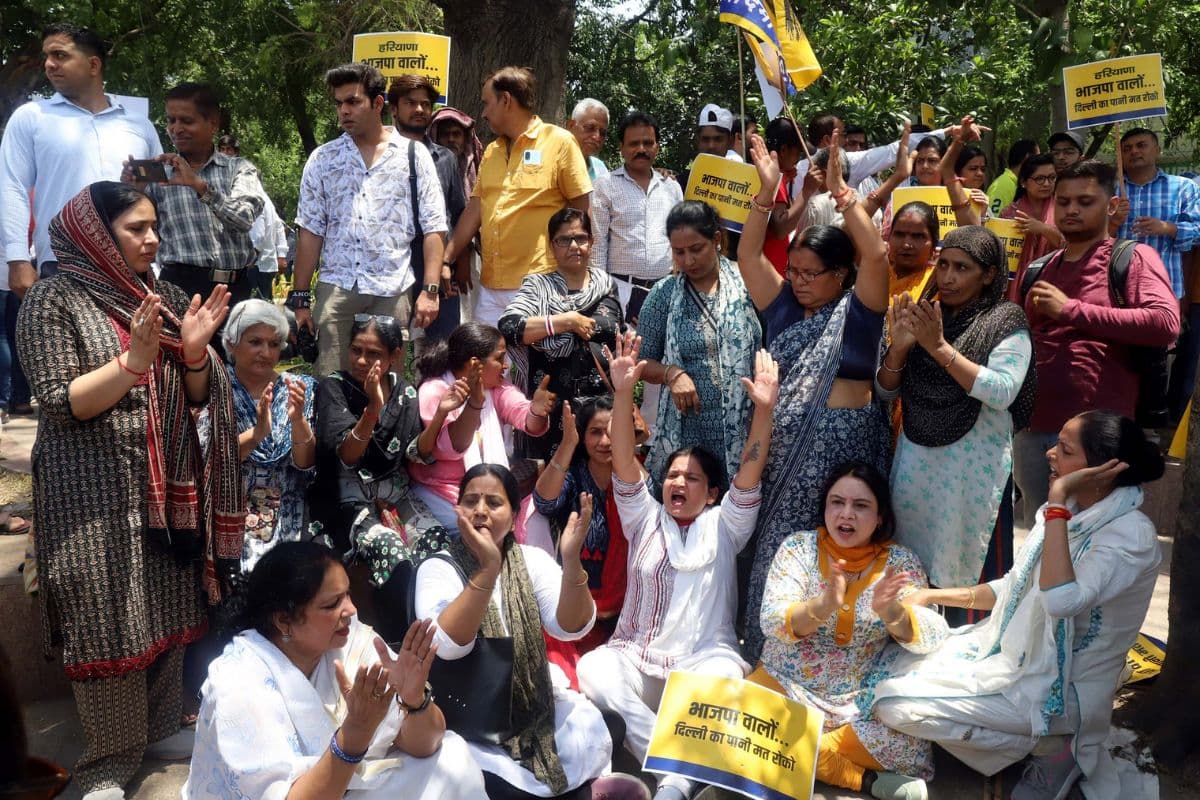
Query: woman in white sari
x,y
1038,675
309,703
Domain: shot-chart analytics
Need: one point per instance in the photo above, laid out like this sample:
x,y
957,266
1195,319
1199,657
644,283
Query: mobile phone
x,y
147,170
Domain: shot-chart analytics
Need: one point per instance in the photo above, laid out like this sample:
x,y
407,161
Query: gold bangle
x,y
471,582
555,465
808,610
970,598
358,438
582,582
883,363
759,207
890,622
951,361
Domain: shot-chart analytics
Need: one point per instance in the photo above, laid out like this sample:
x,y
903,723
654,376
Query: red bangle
x,y
1057,512
126,367
197,362
841,194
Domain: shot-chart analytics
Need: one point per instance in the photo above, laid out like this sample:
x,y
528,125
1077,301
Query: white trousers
x,y
490,304
986,733
614,683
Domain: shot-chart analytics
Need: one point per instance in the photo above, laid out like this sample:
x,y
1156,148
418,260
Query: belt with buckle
x,y
227,276
642,282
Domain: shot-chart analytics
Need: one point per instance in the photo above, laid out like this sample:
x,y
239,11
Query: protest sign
x,y
1145,658
735,734
1012,238
407,53
724,184
1113,90
1179,442
928,114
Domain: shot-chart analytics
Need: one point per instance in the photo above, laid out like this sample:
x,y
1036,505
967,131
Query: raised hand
x,y
924,319
767,164
201,322
903,162
475,379
885,597
486,551
295,400
1064,487
145,330
409,670
543,399
624,368
835,589
373,387
575,532
570,437
263,422
455,396
834,178
368,700
763,391
902,335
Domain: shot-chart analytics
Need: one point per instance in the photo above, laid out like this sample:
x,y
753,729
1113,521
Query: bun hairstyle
x,y
284,581
1105,436
467,341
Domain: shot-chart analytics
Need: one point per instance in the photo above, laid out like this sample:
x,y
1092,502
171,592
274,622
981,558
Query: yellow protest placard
x,y
1145,658
936,197
1113,90
1179,441
928,114
1013,239
735,734
407,53
724,184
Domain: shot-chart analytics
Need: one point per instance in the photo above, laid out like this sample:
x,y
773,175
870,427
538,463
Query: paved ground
x,y
55,732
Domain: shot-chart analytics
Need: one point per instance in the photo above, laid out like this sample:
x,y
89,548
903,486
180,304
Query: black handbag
x,y
474,692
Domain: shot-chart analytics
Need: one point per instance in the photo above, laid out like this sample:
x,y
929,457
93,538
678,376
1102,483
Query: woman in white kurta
x,y
1047,661
495,587
962,367
309,702
682,591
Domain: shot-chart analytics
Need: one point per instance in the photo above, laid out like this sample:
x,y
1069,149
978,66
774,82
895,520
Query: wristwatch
x,y
424,701
299,298
432,288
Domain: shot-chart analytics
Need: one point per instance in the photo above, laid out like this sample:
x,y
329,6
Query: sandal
x,y
14,526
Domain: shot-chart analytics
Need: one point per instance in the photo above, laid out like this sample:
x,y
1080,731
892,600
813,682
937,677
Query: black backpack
x,y
1149,363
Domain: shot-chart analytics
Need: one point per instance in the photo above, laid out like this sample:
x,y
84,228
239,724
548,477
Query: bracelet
x,y
312,435
960,206
187,365
549,327
555,465
341,754
874,195
477,407
840,207
1057,512
951,361
970,599
899,618
677,374
582,582
425,701
298,298
358,438
837,197
471,582
883,363
130,370
808,610
759,207
201,360
536,415
667,373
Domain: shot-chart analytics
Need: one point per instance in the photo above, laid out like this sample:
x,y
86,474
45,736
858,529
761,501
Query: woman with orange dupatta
x,y
132,518
834,599
1033,209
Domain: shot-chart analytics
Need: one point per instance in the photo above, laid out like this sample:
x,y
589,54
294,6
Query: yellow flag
x,y
794,51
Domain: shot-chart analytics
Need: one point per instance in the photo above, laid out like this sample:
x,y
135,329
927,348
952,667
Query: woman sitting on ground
x,y
490,586
831,606
962,366
473,362
275,414
574,470
1038,675
557,323
682,596
368,427
307,702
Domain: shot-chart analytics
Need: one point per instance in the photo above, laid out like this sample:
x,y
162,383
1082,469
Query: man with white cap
x,y
714,130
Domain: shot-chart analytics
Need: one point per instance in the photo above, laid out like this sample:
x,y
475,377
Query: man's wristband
x,y
425,701
432,288
299,298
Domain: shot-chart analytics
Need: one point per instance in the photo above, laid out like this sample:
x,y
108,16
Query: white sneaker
x,y
176,747
111,793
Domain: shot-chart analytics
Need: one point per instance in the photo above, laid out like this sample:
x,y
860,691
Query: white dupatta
x,y
487,444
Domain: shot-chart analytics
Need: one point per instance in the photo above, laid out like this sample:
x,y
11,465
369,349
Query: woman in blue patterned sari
x,y
699,335
824,326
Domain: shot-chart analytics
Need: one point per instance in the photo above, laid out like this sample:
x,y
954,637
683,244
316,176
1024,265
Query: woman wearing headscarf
x,y
962,366
127,505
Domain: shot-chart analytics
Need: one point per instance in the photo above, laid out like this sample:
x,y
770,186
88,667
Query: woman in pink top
x,y
473,434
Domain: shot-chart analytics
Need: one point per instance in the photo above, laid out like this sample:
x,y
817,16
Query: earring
x,y
287,637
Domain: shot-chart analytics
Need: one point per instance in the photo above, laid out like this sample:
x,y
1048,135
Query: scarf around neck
x,y
532,691
195,500
856,558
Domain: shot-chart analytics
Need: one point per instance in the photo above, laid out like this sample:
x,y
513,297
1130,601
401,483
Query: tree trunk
x,y
1170,714
1052,116
489,34
18,78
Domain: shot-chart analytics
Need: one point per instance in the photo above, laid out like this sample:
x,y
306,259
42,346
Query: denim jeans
x,y
14,390
1031,470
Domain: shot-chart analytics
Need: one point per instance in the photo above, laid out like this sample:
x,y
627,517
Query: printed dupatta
x,y
195,500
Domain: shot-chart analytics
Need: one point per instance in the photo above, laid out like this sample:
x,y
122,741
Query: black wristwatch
x,y
432,288
299,298
425,701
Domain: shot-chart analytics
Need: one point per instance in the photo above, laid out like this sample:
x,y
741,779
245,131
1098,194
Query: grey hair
x,y
589,104
245,315
821,159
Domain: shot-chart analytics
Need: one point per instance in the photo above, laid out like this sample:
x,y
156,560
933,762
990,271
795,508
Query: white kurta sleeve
x,y
438,585
1122,553
739,514
635,505
998,382
546,576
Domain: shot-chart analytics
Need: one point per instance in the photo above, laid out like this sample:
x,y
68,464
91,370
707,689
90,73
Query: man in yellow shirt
x,y
531,171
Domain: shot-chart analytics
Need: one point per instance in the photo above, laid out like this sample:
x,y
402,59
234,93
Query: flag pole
x,y
741,93
1120,163
787,107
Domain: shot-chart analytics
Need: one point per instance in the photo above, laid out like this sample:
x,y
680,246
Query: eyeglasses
x,y
566,241
591,128
1064,151
378,319
1044,180
804,277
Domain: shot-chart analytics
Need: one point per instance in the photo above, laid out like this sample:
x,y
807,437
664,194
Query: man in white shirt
x,y
53,148
356,209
